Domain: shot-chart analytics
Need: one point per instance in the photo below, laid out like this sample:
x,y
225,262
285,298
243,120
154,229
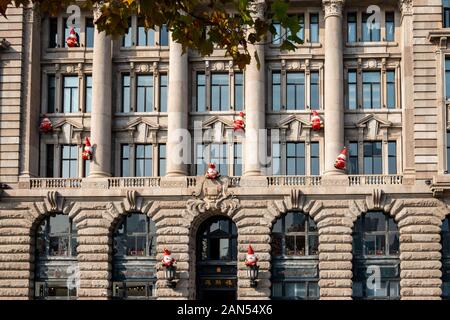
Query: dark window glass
x,y
392,155
445,239
276,38
218,240
201,92
51,93
371,90
88,94
448,151
125,160
50,163
352,90
163,93
70,98
163,36
67,32
370,30
295,90
200,159
126,93
276,159
314,27
144,93
373,160
315,159
53,36
56,237
295,158
69,161
390,26
238,91
135,237
301,22
237,159
390,90
314,89
162,160
353,167
219,156
447,78
276,91
144,160
351,27
90,30
145,37
127,38
219,92
446,13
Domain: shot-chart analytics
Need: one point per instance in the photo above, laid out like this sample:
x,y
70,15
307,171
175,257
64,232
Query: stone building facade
x,y
380,90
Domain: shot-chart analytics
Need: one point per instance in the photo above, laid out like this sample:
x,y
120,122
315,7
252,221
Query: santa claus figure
x,y
46,125
167,260
251,259
341,161
72,40
87,152
212,173
239,122
316,121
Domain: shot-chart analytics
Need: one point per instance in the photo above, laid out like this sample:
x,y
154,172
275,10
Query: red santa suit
x,y
46,125
87,152
72,39
239,122
341,161
251,259
167,260
316,121
212,173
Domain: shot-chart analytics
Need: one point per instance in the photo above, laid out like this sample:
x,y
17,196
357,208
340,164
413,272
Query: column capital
x,y
406,7
333,7
258,8
96,8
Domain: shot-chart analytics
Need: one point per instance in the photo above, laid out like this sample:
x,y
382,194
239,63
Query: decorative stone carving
x,y
406,7
297,199
132,200
371,64
333,7
213,195
52,200
294,65
376,200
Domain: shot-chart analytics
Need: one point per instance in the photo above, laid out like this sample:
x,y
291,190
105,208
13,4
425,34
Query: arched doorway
x,y
217,260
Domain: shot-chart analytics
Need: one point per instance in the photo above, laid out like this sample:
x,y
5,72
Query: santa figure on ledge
x,y
212,173
168,260
316,121
72,39
46,125
239,122
251,259
341,161
87,152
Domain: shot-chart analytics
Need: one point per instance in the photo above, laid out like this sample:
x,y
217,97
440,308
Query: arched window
x,y
56,263
376,271
446,258
295,259
134,260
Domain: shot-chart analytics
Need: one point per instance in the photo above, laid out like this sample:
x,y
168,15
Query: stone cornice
x,y
333,8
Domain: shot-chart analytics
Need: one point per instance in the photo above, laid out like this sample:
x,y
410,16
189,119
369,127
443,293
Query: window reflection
x,y
135,236
219,240
56,236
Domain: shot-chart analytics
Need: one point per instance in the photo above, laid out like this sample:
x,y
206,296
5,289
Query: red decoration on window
x,y
168,260
341,161
316,121
46,125
212,173
87,152
251,259
72,39
239,122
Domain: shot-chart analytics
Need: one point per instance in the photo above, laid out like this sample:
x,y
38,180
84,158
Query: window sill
x,y
371,44
305,111
307,45
133,114
207,113
383,110
65,50
144,48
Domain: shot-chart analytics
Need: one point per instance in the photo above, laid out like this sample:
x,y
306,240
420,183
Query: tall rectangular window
x,y
447,78
238,91
69,161
390,26
446,13
87,168
50,161
163,93
90,30
295,158
373,159
70,98
219,92
314,27
125,160
126,93
390,89
53,36
163,36
51,93
352,89
371,90
145,37
88,94
370,30
353,166
128,37
201,92
315,159
301,22
144,160
276,91
314,91
145,93
67,32
276,159
162,160
295,90
237,163
448,151
200,161
219,156
392,157
351,27
276,38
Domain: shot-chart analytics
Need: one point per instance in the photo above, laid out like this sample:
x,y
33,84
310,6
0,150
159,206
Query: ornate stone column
x,y
334,84
407,90
255,104
177,143
101,104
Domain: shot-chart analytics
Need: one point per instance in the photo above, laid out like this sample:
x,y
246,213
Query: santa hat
x,y
315,113
87,143
167,252
343,154
250,250
241,114
212,166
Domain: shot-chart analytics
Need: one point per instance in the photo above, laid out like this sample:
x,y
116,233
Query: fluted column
x,y
255,140
101,105
334,84
177,142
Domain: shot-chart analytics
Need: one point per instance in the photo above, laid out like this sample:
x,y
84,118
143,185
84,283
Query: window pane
x,y
90,33
70,99
163,36
162,160
352,90
353,161
390,26
392,149
276,91
51,93
219,92
53,36
127,38
351,27
88,93
163,93
145,93
314,28
201,92
238,91
126,94
314,90
276,38
315,165
390,75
